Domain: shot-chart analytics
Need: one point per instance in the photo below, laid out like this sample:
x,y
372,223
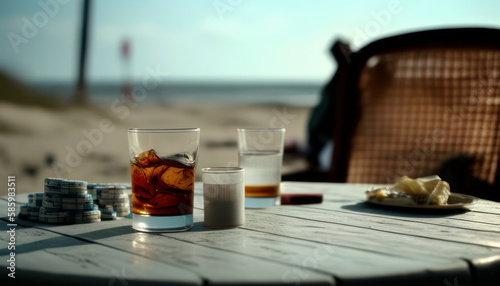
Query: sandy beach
x,y
90,142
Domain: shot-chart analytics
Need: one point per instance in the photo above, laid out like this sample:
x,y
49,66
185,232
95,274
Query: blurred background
x,y
75,75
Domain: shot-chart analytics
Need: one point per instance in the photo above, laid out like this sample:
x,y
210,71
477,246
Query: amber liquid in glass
x,y
162,186
262,191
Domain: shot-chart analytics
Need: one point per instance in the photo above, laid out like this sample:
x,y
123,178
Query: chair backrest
x,y
416,102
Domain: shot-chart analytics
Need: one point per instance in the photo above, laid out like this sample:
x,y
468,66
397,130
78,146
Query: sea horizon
x,y
290,93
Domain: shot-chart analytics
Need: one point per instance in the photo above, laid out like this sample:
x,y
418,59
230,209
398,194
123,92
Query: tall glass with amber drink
x,y
260,153
162,166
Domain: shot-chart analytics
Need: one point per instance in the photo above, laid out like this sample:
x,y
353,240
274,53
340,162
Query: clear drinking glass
x,y
162,165
260,153
224,197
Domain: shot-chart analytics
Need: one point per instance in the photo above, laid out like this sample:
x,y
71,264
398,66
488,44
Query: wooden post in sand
x,y
81,88
127,83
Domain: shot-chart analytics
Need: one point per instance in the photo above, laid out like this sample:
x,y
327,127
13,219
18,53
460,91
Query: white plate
x,y
455,201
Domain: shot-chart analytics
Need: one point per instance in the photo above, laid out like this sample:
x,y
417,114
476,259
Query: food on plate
x,y
440,194
429,190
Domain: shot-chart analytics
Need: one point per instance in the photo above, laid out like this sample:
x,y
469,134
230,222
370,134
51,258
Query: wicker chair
x,y
422,103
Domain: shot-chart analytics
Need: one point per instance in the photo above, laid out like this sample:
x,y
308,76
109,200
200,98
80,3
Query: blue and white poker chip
x,y
64,183
23,209
33,209
59,197
33,213
76,199
49,210
68,201
96,189
23,212
114,197
35,199
72,201
84,217
78,206
107,214
124,185
71,217
65,190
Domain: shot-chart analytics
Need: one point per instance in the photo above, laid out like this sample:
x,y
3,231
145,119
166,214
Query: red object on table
x,y
301,199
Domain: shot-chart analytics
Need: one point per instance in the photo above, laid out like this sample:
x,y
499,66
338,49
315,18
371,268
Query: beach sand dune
x,y
89,142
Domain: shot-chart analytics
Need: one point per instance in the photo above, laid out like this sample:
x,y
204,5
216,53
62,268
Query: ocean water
x,y
297,94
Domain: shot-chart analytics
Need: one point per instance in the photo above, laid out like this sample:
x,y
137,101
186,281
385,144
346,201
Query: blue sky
x,y
213,40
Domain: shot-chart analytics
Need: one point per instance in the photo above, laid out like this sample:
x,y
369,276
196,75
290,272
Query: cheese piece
x,y
429,182
440,194
414,188
390,197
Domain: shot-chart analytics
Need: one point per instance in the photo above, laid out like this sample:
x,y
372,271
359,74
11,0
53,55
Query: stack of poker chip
x,y
32,211
66,202
113,198
107,213
23,212
92,187
35,200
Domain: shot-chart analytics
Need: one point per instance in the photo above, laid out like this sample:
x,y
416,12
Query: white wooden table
x,y
339,242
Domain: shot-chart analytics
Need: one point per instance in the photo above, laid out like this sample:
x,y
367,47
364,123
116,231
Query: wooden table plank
x,y
217,267
354,267
338,192
46,256
368,238
210,262
426,225
409,246
310,248
487,267
344,262
351,266
466,221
